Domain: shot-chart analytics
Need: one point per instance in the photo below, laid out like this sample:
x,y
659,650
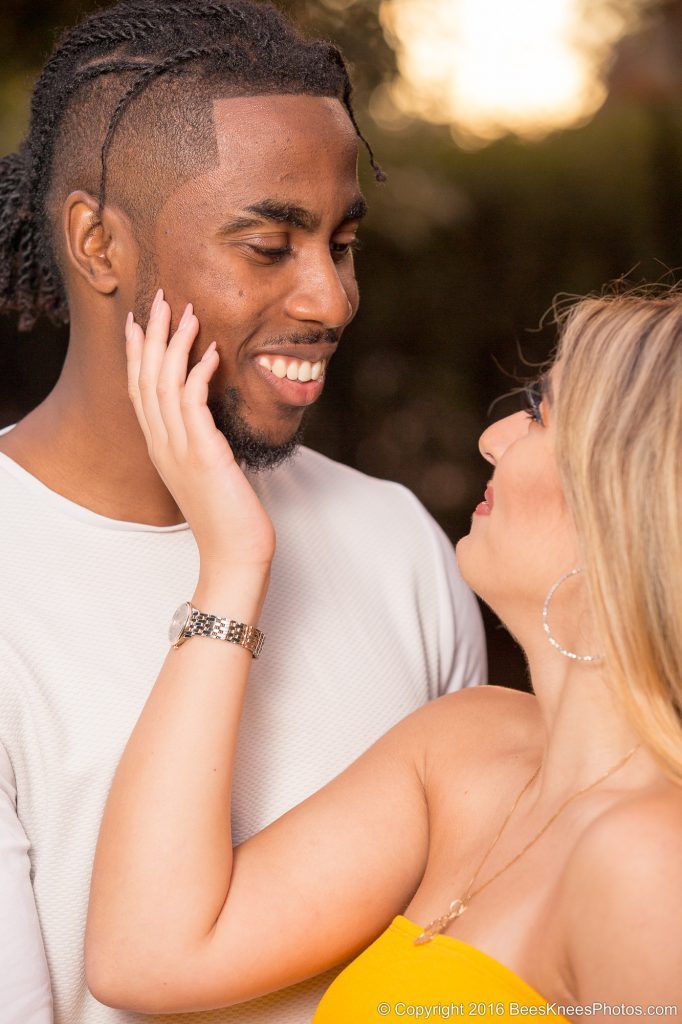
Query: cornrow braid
x,y
143,79
42,155
27,283
193,53
337,56
97,71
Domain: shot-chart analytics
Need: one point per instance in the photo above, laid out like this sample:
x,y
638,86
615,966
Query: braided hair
x,y
139,70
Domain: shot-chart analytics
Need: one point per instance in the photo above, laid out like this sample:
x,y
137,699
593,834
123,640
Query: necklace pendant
x,y
456,908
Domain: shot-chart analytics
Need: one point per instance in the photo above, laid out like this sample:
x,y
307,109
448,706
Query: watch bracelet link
x,y
206,624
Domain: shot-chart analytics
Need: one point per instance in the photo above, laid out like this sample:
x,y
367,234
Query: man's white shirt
x,y
366,619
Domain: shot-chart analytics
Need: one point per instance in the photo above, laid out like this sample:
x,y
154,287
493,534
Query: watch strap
x,y
206,624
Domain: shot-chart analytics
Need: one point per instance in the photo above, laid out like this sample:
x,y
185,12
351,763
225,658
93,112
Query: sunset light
x,y
487,67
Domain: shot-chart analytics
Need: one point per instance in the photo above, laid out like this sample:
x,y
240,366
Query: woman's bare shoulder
x,y
477,726
497,712
639,840
623,894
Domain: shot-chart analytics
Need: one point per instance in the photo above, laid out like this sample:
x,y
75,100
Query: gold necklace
x,y
459,905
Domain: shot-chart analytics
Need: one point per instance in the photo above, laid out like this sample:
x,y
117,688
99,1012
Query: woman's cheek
x,y
528,496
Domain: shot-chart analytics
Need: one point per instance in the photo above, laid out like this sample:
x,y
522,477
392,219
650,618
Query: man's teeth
x,y
294,369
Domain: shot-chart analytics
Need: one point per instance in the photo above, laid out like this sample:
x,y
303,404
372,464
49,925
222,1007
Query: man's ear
x,y
97,246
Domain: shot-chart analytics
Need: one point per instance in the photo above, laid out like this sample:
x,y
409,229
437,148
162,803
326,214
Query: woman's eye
x,y
532,398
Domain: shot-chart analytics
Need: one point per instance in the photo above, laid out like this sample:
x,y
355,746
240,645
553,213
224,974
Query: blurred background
x,y
532,148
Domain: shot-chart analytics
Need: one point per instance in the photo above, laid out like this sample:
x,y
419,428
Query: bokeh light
x,y
489,67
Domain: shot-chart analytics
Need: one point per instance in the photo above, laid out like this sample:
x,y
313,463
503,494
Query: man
x,y
206,148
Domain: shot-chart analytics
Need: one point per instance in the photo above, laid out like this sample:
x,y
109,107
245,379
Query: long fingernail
x,y
158,298
209,351
129,321
186,316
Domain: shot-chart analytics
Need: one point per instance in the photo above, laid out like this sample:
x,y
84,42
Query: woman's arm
x,y
178,920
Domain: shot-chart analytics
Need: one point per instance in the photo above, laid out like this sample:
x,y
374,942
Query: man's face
x,y
262,246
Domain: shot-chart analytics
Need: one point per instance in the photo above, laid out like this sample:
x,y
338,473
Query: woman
x,y
494,849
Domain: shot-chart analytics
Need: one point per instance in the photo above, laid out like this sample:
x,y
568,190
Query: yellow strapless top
x,y
444,979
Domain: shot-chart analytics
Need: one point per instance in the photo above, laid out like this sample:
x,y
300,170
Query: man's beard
x,y
250,447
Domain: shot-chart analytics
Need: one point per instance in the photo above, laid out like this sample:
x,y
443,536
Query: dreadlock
x,y
167,59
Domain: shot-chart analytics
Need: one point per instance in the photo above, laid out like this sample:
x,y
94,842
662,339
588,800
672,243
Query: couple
x,y
491,847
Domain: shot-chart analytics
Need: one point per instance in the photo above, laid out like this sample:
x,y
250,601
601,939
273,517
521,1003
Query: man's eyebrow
x,y
287,213
357,209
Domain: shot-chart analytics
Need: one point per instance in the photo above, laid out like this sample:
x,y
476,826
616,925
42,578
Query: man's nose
x,y
320,296
495,440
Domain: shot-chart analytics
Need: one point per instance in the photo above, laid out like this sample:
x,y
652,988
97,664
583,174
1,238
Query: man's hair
x,y
123,110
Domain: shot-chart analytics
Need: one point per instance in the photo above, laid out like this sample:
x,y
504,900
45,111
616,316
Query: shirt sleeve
x,y
25,996
463,657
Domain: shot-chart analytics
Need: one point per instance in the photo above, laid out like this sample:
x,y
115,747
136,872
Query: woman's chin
x,y
473,562
467,562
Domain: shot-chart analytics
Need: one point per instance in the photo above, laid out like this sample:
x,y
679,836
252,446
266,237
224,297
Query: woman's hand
x,y
193,458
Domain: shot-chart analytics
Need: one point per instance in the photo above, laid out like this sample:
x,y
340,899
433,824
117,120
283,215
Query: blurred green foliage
x,y
463,253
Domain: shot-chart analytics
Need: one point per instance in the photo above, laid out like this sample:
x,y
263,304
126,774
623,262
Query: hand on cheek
x,y
191,455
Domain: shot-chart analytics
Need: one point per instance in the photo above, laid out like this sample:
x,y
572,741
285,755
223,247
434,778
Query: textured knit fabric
x,y
394,980
366,619
24,980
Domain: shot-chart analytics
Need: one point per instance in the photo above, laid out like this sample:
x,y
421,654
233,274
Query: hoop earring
x,y
545,622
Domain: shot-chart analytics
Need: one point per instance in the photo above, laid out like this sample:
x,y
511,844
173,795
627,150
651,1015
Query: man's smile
x,y
302,370
296,380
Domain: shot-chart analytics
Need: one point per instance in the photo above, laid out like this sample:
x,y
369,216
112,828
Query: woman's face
x,y
522,537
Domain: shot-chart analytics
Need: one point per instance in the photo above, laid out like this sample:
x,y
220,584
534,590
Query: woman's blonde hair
x,y
618,417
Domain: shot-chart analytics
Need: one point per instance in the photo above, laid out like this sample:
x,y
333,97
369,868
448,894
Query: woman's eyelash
x,y
532,398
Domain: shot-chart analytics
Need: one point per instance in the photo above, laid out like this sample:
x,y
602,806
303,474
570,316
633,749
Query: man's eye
x,y
268,254
341,249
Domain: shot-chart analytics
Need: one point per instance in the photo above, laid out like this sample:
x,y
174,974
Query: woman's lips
x,y
485,507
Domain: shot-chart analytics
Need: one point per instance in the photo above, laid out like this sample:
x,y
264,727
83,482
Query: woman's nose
x,y
495,440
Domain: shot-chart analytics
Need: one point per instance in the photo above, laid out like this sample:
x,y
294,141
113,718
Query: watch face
x,y
179,621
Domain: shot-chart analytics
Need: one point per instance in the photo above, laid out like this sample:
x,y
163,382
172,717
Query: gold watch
x,y
189,621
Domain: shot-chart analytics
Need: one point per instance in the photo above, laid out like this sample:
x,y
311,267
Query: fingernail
x,y
129,321
209,350
186,316
157,301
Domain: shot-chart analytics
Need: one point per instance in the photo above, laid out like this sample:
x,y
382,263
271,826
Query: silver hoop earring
x,y
545,622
